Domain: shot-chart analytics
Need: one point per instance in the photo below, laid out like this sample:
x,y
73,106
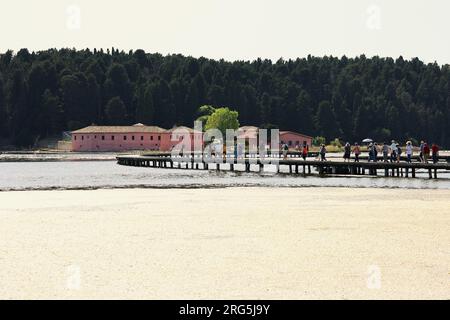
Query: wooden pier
x,y
293,164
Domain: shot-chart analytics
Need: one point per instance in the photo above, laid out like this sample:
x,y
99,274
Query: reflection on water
x,y
107,174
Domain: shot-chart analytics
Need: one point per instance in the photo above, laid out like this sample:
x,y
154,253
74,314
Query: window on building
x,y
290,142
159,138
82,137
103,137
132,138
74,137
142,138
112,137
124,137
151,138
95,137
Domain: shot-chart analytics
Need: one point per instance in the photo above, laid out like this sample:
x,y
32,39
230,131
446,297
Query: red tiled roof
x,y
296,133
121,129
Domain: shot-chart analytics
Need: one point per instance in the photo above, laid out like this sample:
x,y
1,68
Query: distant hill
x,y
45,93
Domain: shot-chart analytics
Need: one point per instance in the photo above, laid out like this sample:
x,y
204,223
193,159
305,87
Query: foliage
x,y
336,143
317,141
43,93
204,112
223,119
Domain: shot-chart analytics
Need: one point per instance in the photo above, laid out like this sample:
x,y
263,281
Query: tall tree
x,y
116,113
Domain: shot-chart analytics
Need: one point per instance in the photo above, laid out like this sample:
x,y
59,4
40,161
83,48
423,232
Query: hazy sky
x,y
234,29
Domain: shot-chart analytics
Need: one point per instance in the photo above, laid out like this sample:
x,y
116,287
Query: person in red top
x,y
426,152
305,150
435,152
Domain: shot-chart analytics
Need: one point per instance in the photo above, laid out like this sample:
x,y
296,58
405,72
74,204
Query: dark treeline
x,y
44,93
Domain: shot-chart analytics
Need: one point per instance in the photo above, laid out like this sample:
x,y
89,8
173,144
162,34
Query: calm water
x,y
107,174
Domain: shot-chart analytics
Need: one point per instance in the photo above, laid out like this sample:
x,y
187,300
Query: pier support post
x,y
429,174
218,166
386,172
261,167
413,172
435,173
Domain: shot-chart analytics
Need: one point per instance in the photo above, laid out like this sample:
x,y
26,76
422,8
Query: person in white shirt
x,y
409,151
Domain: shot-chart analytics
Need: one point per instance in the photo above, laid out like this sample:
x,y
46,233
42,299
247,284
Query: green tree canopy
x,y
223,119
346,98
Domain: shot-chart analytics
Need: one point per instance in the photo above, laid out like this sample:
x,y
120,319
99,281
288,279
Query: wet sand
x,y
234,243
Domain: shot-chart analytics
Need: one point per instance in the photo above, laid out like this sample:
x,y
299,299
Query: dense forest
x,y
45,93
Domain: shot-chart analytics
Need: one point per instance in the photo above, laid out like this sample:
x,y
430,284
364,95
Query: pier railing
x,y
294,165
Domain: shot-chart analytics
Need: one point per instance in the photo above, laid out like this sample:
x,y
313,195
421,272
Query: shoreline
x,y
228,243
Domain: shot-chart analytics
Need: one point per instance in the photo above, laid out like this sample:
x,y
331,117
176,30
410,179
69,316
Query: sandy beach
x,y
233,243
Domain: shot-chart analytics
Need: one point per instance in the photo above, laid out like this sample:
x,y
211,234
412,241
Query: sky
x,y
234,29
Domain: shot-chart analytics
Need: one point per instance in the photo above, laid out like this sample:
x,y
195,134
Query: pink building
x,y
125,138
294,139
142,137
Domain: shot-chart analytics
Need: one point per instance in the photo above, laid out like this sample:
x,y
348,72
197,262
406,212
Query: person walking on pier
x,y
347,152
305,151
285,151
370,152
356,151
385,150
375,152
435,153
409,151
399,152
426,152
393,151
422,145
323,152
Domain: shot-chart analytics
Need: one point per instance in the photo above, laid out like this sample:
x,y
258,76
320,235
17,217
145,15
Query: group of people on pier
x,y
393,152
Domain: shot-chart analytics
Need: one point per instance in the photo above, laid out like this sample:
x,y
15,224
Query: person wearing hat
x,y
370,151
347,151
